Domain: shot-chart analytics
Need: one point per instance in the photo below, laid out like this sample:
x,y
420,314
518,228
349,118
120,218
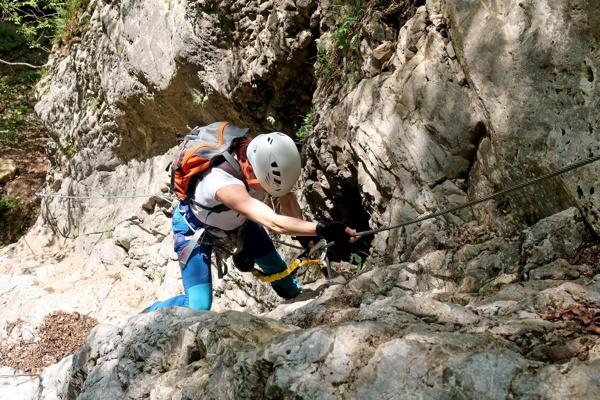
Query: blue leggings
x,y
196,276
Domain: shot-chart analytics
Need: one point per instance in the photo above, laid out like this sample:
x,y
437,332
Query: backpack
x,y
203,148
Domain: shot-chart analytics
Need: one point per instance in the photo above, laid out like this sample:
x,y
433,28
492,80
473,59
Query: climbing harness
x,y
484,198
196,237
224,246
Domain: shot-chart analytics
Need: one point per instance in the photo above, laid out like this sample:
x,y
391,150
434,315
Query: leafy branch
x,y
42,22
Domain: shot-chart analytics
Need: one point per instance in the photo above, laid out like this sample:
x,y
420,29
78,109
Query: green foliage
x,y
68,150
342,32
18,125
355,76
93,102
198,97
12,218
306,123
158,276
35,19
72,20
109,232
9,38
344,26
336,57
39,21
323,64
357,260
15,102
9,204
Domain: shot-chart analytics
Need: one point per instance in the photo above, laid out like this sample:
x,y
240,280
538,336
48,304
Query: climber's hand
x,y
336,231
307,241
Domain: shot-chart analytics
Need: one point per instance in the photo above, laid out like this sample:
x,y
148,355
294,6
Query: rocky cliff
x,y
416,106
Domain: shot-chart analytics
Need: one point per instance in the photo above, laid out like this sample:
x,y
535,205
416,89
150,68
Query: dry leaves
x,y
60,334
585,314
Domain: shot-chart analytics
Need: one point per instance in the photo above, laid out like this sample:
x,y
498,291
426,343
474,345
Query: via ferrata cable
x,y
521,185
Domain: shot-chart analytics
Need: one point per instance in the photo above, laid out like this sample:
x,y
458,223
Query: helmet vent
x,y
276,162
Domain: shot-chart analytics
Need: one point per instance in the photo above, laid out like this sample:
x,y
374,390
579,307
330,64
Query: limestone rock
x,y
532,113
490,301
8,169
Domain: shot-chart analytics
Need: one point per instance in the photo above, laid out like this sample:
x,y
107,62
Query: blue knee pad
x,y
272,263
200,297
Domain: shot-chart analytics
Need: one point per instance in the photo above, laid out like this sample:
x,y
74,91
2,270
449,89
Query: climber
x,y
246,218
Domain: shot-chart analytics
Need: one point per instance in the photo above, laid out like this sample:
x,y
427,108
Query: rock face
x,y
392,344
418,107
146,72
472,101
179,353
521,76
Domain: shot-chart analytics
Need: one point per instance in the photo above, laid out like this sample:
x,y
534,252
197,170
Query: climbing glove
x,y
305,240
333,231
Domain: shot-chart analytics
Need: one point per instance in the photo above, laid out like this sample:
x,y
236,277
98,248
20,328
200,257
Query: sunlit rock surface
x,y
435,106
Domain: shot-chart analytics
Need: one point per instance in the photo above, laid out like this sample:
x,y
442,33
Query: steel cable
x,y
484,198
521,185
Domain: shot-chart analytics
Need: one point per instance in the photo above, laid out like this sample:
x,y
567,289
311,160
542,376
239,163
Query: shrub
x,y
41,21
12,219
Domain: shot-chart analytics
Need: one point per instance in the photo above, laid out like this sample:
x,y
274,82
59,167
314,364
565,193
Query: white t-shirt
x,y
206,193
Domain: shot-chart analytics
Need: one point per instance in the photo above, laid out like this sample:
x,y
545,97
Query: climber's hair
x,y
240,146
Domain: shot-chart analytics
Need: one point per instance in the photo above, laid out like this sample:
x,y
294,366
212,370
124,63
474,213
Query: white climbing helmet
x,y
275,161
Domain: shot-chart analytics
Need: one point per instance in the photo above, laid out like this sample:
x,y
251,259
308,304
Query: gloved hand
x,y
333,231
305,240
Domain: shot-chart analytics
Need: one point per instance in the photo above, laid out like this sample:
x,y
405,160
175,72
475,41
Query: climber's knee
x,y
200,297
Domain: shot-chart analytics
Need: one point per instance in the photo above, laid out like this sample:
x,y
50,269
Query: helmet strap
x,y
245,167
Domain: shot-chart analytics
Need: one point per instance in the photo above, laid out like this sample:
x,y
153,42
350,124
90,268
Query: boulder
x,y
8,169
